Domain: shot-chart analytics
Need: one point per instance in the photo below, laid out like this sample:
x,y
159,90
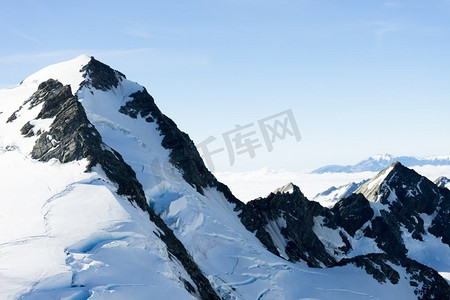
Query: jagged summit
x,y
289,188
118,202
72,116
371,189
100,76
443,182
399,183
402,195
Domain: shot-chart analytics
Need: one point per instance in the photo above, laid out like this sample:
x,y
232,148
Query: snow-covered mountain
x,y
103,197
75,217
334,194
443,182
379,162
398,218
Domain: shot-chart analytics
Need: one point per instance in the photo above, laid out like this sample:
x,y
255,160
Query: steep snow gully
x,y
118,204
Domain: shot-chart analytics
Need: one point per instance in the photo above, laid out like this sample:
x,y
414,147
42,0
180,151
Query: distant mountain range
x,y
334,194
379,162
103,197
394,226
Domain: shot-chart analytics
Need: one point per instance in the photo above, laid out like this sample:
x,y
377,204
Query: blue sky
x,y
361,77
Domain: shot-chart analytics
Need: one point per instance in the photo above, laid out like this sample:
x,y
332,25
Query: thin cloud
x,y
384,28
68,53
27,37
391,4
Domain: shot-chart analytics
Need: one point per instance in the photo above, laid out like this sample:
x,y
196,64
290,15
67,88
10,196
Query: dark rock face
x,y
386,232
412,190
100,76
13,116
375,265
427,282
27,130
440,226
49,92
352,213
46,90
184,154
142,105
298,214
405,195
72,137
434,286
414,195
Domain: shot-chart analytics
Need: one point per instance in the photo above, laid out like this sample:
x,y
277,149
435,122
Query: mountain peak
x,y
67,72
443,182
111,180
371,189
379,162
289,188
400,184
100,76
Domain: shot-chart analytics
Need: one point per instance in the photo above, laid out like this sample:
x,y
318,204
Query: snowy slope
x,y
332,195
443,182
70,234
397,190
238,266
64,232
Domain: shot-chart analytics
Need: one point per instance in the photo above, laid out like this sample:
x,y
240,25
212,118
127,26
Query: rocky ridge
x,y
72,137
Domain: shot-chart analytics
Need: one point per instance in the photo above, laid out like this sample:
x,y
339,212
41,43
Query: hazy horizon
x,y
361,78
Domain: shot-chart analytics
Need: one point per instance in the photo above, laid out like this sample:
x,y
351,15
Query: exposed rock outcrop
x,y
427,283
100,76
352,213
184,154
72,137
297,214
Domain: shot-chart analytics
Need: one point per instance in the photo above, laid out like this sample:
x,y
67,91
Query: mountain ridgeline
x,y
216,246
401,204
72,137
379,162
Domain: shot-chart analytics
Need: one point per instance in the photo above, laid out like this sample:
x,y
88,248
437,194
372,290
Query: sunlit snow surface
x,y
66,233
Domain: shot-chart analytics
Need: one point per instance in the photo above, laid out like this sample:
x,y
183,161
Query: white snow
x,y
431,252
64,232
371,188
378,179
330,238
67,72
332,195
286,189
274,230
68,235
68,228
